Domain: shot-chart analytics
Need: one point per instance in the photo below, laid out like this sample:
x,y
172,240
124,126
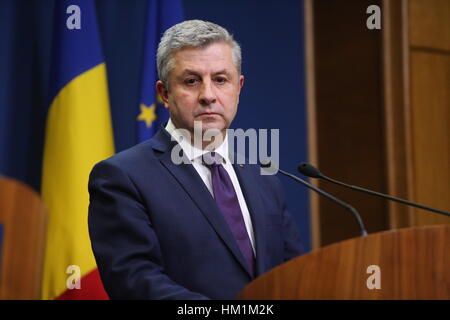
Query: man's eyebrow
x,y
192,72
224,71
189,71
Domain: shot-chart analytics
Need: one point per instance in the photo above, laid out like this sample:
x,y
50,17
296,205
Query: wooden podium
x,y
413,263
23,217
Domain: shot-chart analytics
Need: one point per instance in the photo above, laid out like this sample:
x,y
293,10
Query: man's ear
x,y
241,82
163,93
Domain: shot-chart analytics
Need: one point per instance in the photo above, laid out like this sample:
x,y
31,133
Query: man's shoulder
x,y
132,158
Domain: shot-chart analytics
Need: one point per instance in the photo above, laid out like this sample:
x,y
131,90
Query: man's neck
x,y
200,143
204,140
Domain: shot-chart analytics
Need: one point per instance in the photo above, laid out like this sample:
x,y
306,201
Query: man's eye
x,y
190,81
221,80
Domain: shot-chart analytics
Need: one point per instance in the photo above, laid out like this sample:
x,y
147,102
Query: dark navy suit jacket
x,y
157,233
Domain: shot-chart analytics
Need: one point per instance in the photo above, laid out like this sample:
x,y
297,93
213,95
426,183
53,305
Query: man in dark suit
x,y
201,229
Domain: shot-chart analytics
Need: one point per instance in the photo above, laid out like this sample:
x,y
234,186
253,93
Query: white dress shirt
x,y
195,157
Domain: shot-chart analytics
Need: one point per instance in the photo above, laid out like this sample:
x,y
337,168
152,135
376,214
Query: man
x,y
202,229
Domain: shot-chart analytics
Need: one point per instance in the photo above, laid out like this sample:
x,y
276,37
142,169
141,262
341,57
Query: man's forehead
x,y
222,45
214,51
210,60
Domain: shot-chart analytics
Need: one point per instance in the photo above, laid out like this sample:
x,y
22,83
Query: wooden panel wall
x,y
430,129
429,50
417,107
348,115
379,111
396,109
429,24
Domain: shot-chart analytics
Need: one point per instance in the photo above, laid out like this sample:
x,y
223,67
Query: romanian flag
x,y
161,15
78,135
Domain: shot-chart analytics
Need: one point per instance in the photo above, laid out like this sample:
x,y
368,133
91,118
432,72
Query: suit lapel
x,y
194,186
252,198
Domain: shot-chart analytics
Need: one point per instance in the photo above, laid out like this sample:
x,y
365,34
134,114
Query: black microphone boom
x,y
326,195
312,172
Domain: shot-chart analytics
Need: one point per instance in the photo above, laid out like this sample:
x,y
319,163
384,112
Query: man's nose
x,y
207,95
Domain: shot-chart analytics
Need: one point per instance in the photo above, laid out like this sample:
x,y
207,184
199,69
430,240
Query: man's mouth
x,y
208,114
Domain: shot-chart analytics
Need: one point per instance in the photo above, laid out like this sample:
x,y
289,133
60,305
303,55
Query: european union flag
x,y
161,15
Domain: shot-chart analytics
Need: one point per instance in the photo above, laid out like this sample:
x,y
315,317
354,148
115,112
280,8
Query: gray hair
x,y
193,34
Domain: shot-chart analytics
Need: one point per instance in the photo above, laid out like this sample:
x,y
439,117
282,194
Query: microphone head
x,y
265,163
268,167
309,170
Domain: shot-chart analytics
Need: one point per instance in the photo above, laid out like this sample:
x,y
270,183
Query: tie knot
x,y
212,159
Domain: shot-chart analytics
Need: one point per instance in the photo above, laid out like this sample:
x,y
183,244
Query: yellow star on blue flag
x,y
147,114
161,15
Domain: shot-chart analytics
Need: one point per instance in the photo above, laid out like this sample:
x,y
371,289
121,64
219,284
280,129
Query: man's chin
x,y
212,123
213,128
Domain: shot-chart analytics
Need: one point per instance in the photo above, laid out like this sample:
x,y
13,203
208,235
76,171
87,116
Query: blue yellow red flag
x,y
78,135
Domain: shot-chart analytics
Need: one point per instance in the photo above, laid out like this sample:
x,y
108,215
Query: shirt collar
x,y
191,152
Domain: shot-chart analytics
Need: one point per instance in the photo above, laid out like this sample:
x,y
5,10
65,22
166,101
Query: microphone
x,y
267,164
312,172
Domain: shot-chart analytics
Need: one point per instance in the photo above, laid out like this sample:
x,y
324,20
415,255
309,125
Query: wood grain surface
x,y
414,264
23,217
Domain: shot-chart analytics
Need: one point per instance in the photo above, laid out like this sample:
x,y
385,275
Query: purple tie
x,y
227,201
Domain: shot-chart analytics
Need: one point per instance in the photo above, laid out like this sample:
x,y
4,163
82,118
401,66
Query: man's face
x,y
204,85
